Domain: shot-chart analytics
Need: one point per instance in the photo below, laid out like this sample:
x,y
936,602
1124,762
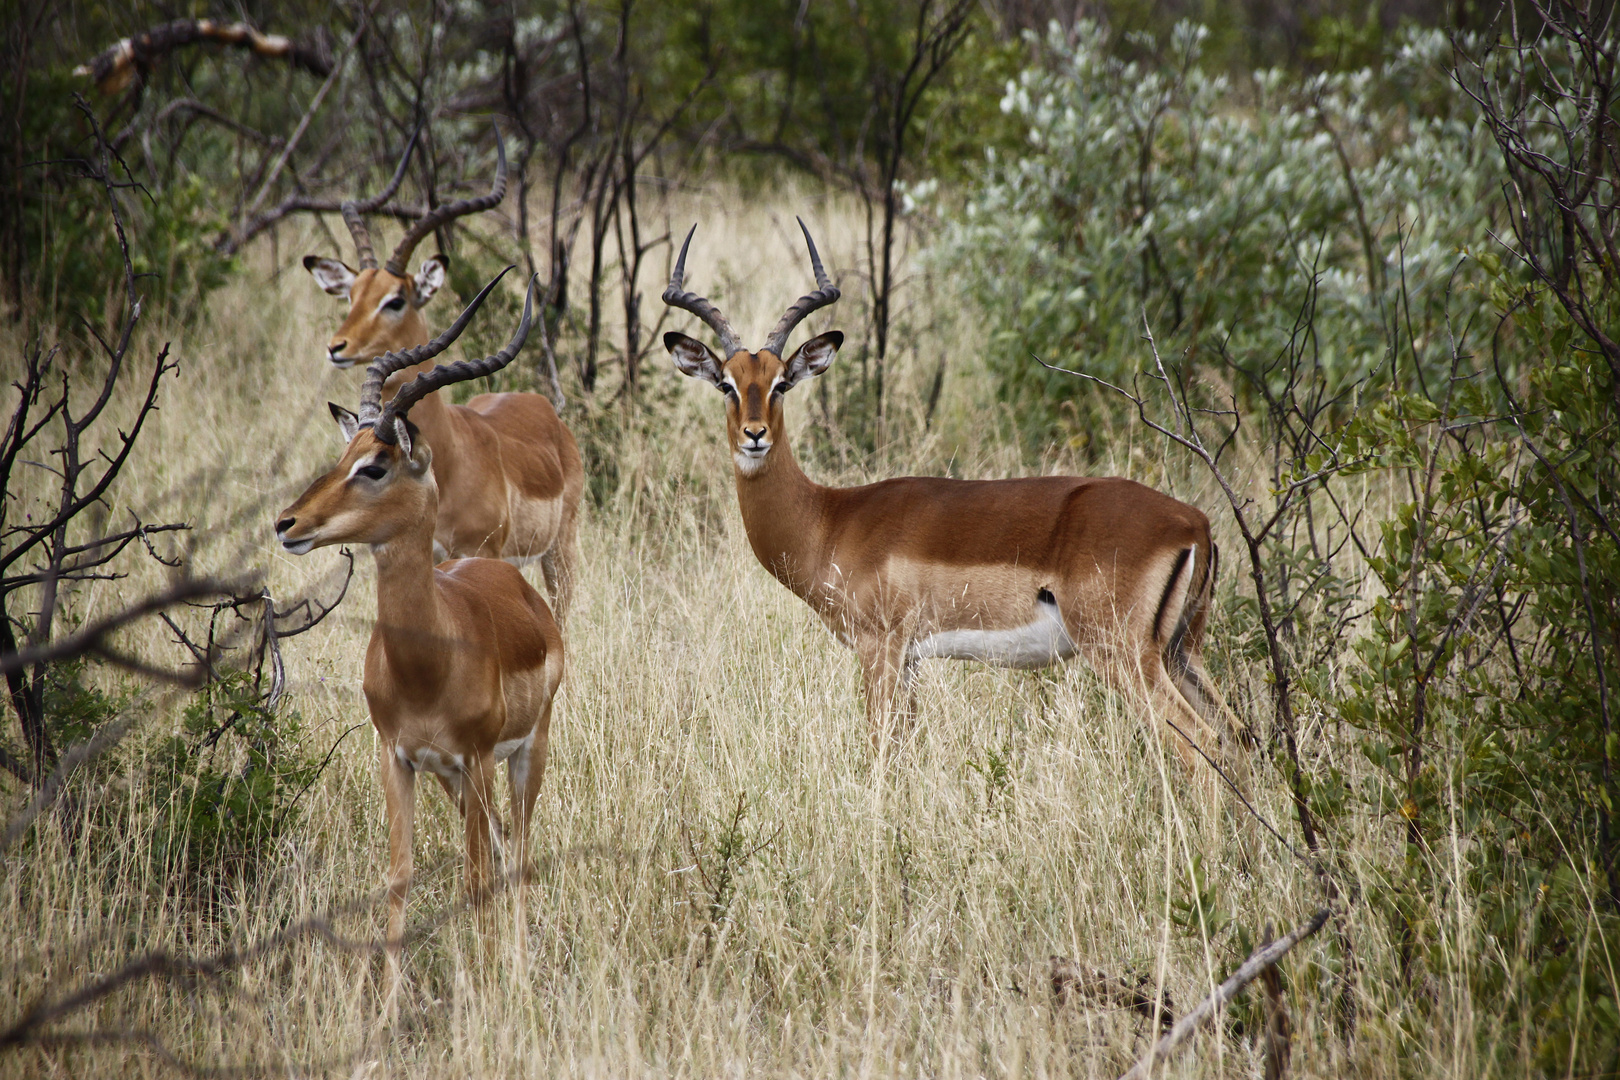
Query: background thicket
x,y
1342,275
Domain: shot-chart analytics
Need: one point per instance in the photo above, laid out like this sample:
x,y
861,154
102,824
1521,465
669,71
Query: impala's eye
x,y
396,303
728,390
780,388
371,472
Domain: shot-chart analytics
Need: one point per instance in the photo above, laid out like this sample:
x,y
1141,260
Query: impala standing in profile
x,y
509,472
465,657
1020,573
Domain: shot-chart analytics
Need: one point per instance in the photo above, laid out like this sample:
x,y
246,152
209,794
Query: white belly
x,y
1036,644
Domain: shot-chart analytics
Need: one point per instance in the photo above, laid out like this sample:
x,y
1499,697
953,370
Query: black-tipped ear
x,y
347,422
813,357
693,358
404,436
331,275
430,278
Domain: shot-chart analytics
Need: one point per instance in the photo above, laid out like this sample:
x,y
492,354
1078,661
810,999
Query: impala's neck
x,y
782,514
412,622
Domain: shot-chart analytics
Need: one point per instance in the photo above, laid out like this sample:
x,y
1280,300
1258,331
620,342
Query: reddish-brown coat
x,y
898,565
464,656
509,472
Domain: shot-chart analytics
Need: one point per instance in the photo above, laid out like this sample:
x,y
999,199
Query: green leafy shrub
x,y
73,263
216,796
227,787
1223,215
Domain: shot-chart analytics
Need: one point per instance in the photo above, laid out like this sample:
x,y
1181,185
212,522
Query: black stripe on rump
x,y
1169,587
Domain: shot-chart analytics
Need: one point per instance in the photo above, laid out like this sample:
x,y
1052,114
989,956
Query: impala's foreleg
x,y
888,676
399,798
478,792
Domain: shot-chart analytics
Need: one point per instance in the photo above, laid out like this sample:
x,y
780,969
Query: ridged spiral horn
x,y
354,211
378,370
439,215
675,297
462,370
826,293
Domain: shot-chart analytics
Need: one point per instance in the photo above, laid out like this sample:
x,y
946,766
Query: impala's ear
x,y
418,454
812,358
404,437
330,275
693,358
430,277
347,422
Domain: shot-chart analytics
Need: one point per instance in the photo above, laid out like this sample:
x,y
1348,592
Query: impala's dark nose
x,y
284,524
754,435
335,350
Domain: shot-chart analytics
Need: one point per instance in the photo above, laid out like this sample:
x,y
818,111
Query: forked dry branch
x,y
62,540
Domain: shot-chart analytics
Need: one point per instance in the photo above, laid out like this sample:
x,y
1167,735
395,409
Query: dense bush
x,y
1220,213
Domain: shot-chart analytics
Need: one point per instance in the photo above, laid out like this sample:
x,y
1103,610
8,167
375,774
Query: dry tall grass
x,y
852,920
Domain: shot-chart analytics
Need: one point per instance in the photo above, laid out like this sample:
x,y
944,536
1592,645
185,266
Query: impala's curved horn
x,y
826,293
462,370
353,211
378,370
430,221
675,297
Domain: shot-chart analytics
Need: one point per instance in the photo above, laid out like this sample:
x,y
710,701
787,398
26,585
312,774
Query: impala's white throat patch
x,y
1036,644
748,463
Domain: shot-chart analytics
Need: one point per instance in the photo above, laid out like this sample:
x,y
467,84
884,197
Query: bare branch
x,y
1259,961
92,639
132,58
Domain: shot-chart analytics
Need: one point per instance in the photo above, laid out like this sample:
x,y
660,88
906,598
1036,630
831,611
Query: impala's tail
x,y
1182,617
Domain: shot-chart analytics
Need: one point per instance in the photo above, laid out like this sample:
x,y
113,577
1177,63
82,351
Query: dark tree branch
x,y
132,59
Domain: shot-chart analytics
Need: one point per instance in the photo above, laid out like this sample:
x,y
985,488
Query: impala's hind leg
x,y
524,771
453,793
1184,658
557,565
1184,726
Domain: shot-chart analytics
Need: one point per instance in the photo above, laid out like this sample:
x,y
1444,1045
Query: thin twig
x,y
92,638
309,114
